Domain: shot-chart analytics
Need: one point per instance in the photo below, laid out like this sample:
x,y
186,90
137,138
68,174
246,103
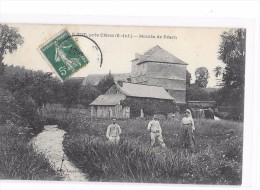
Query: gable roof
x,y
108,100
144,91
158,54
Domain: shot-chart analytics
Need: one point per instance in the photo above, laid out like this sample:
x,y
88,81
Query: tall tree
x,y
88,93
188,78
10,39
106,82
232,52
70,92
202,76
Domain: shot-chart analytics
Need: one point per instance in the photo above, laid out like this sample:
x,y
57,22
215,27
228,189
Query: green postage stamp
x,y
64,54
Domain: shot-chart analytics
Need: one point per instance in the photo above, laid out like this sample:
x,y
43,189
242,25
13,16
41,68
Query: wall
x,y
169,76
117,111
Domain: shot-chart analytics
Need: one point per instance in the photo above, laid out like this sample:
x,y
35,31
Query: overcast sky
x,y
196,46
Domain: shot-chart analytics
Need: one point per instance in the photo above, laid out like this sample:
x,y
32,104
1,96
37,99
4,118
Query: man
x,y
155,131
113,132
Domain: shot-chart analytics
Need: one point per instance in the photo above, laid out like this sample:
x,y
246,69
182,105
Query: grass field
x,y
18,159
217,158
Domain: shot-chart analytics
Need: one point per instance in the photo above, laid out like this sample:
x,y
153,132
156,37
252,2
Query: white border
x,y
252,81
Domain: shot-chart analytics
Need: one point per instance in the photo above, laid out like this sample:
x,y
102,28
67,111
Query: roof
x,y
145,91
202,101
108,100
94,79
158,54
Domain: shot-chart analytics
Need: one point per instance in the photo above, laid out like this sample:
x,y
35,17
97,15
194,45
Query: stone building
x,y
158,67
157,78
109,104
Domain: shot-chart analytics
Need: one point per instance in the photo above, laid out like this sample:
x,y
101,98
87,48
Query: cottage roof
x,y
157,54
145,91
108,100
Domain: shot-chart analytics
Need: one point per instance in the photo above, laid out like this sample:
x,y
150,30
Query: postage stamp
x,y
64,54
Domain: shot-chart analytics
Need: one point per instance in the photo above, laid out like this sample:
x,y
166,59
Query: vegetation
x,y
217,158
202,76
232,52
18,159
21,93
149,106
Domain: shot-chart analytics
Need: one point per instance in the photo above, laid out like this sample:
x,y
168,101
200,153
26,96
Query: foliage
x,y
217,158
195,93
10,39
70,92
188,78
88,93
9,107
202,76
149,106
42,87
18,159
232,52
105,83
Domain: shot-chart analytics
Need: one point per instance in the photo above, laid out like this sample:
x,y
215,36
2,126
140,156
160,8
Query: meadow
x,y
18,160
217,158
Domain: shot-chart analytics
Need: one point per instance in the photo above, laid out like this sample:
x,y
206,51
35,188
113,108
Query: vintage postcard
x,y
139,104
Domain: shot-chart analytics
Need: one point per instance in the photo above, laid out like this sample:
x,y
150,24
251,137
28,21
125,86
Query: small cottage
x,y
113,104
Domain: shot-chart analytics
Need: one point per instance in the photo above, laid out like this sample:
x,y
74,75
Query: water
x,y
49,143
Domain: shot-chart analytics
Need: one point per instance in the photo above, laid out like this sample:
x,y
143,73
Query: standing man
x,y
155,131
113,132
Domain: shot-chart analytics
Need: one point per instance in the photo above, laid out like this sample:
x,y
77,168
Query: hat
x,y
187,111
155,117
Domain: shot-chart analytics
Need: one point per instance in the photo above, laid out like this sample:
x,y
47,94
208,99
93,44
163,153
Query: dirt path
x,y
49,143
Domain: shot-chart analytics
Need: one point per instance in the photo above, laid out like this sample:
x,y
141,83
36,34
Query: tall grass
x,y
18,159
217,158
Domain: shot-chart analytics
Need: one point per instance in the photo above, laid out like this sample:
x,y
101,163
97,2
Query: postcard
x,y
135,104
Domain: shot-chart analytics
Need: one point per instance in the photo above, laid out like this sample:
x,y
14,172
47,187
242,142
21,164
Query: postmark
x,y
64,54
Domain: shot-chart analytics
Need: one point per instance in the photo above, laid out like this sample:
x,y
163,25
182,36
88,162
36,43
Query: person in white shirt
x,y
113,132
187,131
155,131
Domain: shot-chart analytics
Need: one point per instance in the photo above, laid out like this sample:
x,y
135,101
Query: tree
x,y
70,92
9,41
195,93
202,76
188,78
88,93
105,83
218,71
232,52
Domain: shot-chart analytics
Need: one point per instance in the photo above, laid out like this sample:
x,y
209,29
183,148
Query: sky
x,y
198,47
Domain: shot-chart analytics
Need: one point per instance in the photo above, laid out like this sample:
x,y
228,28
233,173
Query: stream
x,y
49,144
